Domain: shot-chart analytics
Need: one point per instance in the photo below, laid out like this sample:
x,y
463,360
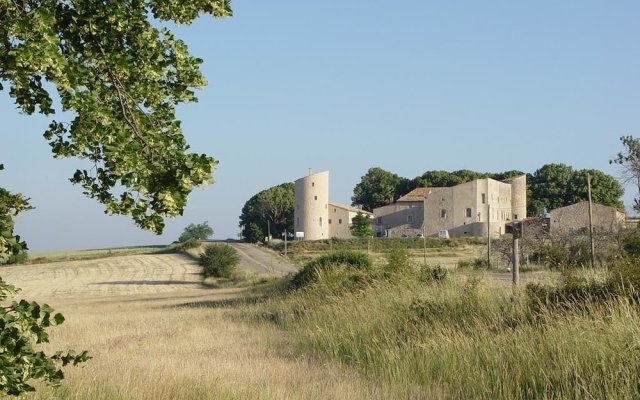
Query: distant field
x,y
66,255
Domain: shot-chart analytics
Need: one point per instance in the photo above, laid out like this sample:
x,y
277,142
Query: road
x,y
260,261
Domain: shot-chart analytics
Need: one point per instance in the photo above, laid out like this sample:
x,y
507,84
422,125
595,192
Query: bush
x,y
219,260
398,261
193,234
631,244
18,258
435,273
351,259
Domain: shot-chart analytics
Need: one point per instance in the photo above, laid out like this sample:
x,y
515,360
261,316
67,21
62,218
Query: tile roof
x,y
349,208
418,194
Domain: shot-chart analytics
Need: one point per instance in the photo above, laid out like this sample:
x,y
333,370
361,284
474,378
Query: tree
x,y
378,188
24,324
548,186
252,233
10,206
122,78
269,209
361,226
629,161
605,189
193,234
559,185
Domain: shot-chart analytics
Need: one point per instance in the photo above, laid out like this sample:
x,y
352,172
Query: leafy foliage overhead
x,y
121,77
23,325
11,204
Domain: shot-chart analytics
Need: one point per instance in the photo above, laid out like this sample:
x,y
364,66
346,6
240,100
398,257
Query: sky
x,y
407,86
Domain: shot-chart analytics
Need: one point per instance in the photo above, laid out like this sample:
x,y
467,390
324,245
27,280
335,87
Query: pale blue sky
x,y
408,86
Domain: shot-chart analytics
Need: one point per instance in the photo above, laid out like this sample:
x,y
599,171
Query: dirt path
x,y
260,261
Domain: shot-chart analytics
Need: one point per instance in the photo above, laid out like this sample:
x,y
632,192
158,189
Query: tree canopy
x,y
379,187
629,161
121,78
269,209
558,185
361,226
193,234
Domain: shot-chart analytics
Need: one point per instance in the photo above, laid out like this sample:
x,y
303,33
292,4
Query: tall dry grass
x,y
172,346
463,338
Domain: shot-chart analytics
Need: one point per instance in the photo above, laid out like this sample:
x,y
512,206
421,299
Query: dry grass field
x,y
156,333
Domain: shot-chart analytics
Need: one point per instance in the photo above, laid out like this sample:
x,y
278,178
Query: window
x,y
515,216
340,221
379,220
315,197
484,198
313,184
320,221
443,213
329,221
409,218
468,213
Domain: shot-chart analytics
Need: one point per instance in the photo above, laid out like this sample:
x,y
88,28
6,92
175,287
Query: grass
x,y
350,333
182,346
463,338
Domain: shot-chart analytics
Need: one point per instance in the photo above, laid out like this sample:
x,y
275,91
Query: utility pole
x,y
424,244
593,247
515,273
488,235
268,231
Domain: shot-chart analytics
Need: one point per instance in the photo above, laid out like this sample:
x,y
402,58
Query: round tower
x,y
311,213
518,197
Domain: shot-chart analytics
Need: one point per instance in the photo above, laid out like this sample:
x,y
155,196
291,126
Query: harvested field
x,y
155,332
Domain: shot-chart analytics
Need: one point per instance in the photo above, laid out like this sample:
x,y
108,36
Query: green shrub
x,y
398,261
219,260
350,259
18,258
631,244
435,273
458,311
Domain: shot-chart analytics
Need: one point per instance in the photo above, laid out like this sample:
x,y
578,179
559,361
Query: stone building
x,y
575,218
474,208
402,218
314,216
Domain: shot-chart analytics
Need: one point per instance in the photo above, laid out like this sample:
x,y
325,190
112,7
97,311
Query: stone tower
x,y
518,197
311,213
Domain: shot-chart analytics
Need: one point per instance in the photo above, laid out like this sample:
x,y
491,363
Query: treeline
x,y
549,187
